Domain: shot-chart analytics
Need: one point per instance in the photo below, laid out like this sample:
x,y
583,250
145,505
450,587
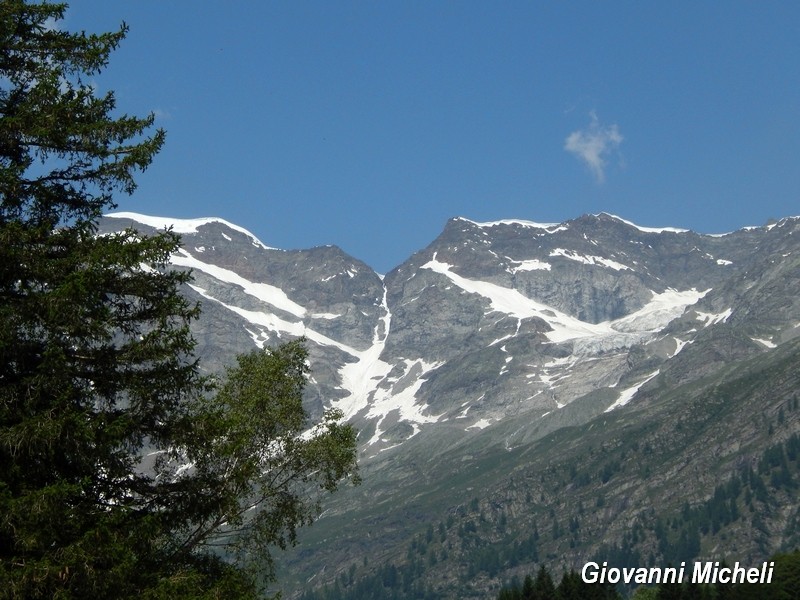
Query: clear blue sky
x,y
368,124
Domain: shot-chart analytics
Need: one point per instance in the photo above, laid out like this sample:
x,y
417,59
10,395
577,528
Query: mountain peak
x,y
184,225
553,227
520,222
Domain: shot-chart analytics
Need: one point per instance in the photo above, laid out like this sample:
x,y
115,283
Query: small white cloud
x,y
161,114
593,145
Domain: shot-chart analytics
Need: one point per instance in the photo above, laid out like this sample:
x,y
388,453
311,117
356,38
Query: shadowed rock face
x,y
492,320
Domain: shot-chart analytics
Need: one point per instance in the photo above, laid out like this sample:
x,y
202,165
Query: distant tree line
x,y
785,585
751,494
571,587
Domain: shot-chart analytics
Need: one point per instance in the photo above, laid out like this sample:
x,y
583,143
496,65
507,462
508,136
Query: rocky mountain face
x,y
511,351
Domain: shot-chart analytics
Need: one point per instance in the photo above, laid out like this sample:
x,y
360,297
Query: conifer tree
x,y
121,473
528,590
543,587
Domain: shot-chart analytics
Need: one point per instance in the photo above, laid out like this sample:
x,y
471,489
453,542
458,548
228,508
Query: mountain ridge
x,y
513,341
190,225
587,286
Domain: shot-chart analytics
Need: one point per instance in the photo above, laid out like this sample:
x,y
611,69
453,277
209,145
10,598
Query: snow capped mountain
x,y
491,322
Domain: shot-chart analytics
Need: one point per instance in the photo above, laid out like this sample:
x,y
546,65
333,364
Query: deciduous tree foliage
x,y
123,473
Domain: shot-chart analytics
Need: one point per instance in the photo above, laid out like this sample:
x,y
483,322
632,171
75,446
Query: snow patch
x,y
661,309
590,260
263,291
680,345
714,318
278,325
513,303
259,339
555,370
463,414
528,265
507,337
767,343
627,394
362,377
386,400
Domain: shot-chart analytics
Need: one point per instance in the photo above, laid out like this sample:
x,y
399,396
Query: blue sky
x,y
369,124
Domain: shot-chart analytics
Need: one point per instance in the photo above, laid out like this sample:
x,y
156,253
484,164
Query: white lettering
x,y
701,573
655,575
738,572
592,576
671,572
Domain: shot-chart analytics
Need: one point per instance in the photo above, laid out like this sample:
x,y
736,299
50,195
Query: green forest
x,y
785,584
677,537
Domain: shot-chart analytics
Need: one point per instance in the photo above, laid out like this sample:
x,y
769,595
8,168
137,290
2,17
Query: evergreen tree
x,y
670,591
528,591
543,587
121,474
691,591
571,586
509,593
